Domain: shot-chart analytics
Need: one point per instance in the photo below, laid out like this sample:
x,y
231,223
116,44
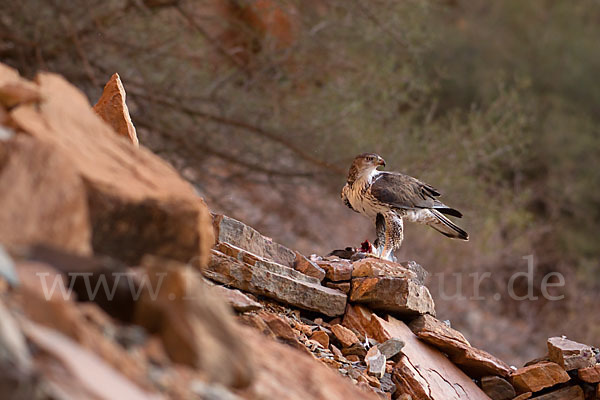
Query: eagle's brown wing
x,y
403,191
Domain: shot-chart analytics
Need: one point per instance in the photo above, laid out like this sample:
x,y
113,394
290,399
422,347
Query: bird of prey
x,y
388,198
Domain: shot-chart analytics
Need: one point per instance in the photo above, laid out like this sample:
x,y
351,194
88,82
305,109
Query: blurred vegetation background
x,y
262,104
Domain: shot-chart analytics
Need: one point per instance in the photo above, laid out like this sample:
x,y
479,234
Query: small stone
x,y
391,347
569,354
538,376
336,352
341,286
278,326
346,337
322,338
353,358
497,388
376,362
307,267
336,271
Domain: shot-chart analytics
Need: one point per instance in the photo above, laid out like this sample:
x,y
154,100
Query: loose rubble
x,y
203,305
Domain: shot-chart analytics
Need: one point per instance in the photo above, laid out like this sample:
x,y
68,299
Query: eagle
x,y
389,198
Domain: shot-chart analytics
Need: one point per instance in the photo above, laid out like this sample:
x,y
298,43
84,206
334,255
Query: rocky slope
x,y
117,282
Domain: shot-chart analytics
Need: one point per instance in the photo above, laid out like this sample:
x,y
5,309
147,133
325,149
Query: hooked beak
x,y
381,162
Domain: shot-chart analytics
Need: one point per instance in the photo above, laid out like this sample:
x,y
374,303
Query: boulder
x,y
43,200
77,372
284,373
497,388
137,203
401,296
112,108
569,354
15,90
196,328
536,377
275,281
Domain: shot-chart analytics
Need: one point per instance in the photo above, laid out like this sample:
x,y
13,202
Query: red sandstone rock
x,y
346,337
538,376
590,374
112,108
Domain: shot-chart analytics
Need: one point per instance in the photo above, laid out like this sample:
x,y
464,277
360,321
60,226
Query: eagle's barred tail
x,y
447,227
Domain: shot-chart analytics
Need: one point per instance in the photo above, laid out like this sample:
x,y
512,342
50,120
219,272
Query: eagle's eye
x,y
370,158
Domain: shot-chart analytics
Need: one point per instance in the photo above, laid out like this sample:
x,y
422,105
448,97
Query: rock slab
x,y
277,282
423,372
475,362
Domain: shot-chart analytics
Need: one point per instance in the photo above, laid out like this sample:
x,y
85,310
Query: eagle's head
x,y
364,165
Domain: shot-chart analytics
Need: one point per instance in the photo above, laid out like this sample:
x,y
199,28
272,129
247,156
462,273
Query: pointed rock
x,y
112,108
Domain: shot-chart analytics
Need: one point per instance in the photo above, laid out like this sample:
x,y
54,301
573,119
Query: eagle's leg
x,y
380,232
394,234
